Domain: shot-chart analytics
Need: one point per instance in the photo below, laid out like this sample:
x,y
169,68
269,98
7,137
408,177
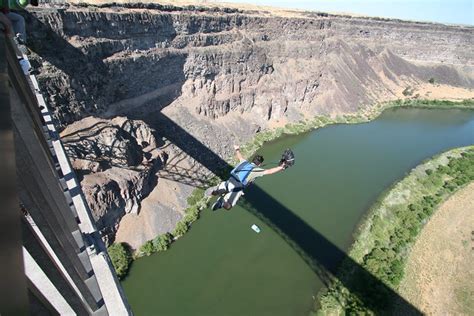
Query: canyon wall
x,y
224,75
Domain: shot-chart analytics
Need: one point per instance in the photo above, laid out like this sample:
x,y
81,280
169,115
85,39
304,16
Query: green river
x,y
222,267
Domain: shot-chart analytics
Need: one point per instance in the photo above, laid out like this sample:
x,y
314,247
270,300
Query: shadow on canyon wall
x,y
173,170
322,256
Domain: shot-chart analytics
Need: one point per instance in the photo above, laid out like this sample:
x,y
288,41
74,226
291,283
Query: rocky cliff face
x,y
223,75
116,161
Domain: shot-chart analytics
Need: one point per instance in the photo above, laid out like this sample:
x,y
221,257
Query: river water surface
x,y
222,267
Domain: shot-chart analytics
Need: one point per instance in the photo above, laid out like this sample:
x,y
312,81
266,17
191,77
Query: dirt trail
x,y
439,279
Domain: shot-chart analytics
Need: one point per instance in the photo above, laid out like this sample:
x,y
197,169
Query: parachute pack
x,y
287,158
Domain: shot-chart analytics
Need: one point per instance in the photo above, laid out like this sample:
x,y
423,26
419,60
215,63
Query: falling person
x,y
243,175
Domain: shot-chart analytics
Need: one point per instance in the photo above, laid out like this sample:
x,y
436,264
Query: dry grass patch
x,y
439,279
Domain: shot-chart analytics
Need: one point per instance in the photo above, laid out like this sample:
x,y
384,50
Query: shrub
x,y
196,196
191,216
162,242
431,80
121,258
146,249
181,228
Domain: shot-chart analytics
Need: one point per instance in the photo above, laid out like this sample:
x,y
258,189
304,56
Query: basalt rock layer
x,y
220,76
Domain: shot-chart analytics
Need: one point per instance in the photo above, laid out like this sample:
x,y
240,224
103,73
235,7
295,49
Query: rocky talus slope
x,y
221,76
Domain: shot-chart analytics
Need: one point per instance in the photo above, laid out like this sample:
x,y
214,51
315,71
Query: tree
x,y
162,242
121,257
181,228
147,248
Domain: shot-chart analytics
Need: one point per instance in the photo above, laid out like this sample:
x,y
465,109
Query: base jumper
x,y
244,174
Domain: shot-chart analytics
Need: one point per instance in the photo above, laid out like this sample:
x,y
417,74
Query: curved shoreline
x,y
361,116
386,234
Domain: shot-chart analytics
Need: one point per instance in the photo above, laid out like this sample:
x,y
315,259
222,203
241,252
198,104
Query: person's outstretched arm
x,y
273,170
238,154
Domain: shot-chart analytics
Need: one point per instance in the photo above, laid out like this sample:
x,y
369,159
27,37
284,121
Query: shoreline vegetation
x,y
198,201
385,236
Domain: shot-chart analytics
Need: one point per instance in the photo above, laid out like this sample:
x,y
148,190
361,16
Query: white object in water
x,y
256,228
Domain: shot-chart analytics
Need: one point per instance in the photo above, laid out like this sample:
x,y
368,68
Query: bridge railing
x,y
65,261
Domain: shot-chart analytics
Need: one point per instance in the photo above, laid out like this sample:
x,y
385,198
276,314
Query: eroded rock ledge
x,y
117,161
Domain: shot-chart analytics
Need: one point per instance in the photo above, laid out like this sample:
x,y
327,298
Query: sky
x,y
443,11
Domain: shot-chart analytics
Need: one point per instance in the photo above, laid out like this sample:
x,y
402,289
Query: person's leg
x,y
18,23
220,189
218,203
223,188
228,199
231,199
233,190
227,186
